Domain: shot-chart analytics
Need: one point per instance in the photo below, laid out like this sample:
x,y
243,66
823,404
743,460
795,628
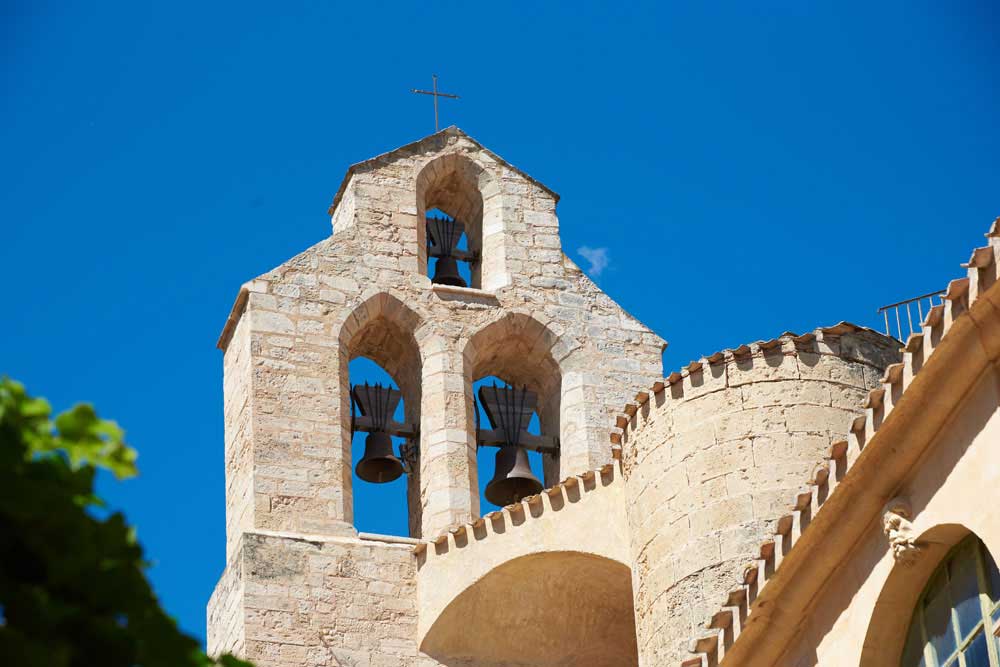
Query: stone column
x,y
448,476
583,425
493,265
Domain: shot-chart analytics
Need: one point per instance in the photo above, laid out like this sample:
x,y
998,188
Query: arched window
x,y
514,352
456,203
957,613
376,346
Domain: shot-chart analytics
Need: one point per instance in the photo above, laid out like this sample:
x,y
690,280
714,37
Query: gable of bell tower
x,y
530,317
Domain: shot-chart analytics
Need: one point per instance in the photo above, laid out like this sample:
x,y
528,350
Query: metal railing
x,y
895,308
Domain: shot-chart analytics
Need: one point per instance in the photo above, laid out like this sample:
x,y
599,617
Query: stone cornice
x,y
235,313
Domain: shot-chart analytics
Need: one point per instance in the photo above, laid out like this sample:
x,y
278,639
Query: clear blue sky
x,y
749,168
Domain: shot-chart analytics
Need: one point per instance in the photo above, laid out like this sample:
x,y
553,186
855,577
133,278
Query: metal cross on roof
x,y
436,95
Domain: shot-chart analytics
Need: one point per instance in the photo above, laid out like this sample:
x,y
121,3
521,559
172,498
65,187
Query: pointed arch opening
x,y
456,201
515,351
377,346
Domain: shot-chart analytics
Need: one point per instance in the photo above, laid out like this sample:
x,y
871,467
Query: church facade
x,y
825,498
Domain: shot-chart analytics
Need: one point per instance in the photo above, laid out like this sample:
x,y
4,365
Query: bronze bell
x,y
377,405
443,235
512,480
446,272
379,464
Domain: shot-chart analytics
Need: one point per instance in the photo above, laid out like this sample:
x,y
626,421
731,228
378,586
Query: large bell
x,y
379,464
446,272
512,479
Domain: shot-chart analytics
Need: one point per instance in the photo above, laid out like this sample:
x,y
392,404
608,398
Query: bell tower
x,y
387,284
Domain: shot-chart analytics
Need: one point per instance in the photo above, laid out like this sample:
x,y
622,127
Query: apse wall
x,y
712,456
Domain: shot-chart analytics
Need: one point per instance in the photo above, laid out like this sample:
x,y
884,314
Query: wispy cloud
x,y
598,258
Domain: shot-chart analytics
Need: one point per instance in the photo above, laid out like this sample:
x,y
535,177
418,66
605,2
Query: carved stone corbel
x,y
897,526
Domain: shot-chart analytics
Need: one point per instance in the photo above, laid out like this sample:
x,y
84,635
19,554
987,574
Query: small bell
x,y
443,235
446,273
512,480
379,464
377,405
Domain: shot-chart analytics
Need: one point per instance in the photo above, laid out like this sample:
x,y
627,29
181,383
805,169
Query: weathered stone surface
x,y
352,295
531,317
614,566
290,601
716,460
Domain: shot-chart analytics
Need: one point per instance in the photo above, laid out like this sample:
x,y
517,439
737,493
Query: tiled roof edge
x,y
724,627
515,515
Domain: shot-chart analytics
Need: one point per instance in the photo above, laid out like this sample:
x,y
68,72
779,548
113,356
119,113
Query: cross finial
x,y
436,95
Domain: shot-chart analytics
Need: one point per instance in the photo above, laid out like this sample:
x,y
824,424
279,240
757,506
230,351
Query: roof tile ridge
x,y
517,514
710,647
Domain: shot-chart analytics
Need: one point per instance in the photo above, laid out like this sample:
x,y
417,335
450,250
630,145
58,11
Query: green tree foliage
x,y
73,587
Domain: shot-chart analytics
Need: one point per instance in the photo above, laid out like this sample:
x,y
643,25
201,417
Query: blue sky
x,y
735,170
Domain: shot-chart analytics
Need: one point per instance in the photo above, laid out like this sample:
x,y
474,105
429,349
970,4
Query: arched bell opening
x,y
381,392
507,472
943,608
543,609
515,354
380,457
454,202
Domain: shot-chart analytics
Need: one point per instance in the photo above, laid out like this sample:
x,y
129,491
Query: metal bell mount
x,y
377,405
443,235
509,412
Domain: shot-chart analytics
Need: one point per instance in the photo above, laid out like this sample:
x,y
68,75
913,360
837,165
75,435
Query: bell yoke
x,y
509,411
443,236
377,405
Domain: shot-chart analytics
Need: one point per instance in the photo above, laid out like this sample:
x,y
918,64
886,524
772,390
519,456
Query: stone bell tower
x,y
301,585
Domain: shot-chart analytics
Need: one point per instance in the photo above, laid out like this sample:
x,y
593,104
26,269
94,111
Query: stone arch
x,y
464,190
901,592
547,608
521,350
381,328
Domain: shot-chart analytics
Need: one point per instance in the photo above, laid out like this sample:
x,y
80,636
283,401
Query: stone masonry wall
x,y
300,587
226,627
713,458
305,319
309,601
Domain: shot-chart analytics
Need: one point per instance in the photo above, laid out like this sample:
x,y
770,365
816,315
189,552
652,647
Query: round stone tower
x,y
716,455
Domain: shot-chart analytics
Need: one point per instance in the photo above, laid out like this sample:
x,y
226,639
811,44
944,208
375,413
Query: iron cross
x,y
436,95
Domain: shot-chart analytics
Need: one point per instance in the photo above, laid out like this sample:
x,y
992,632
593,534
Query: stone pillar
x,y
283,414
583,428
492,268
448,476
